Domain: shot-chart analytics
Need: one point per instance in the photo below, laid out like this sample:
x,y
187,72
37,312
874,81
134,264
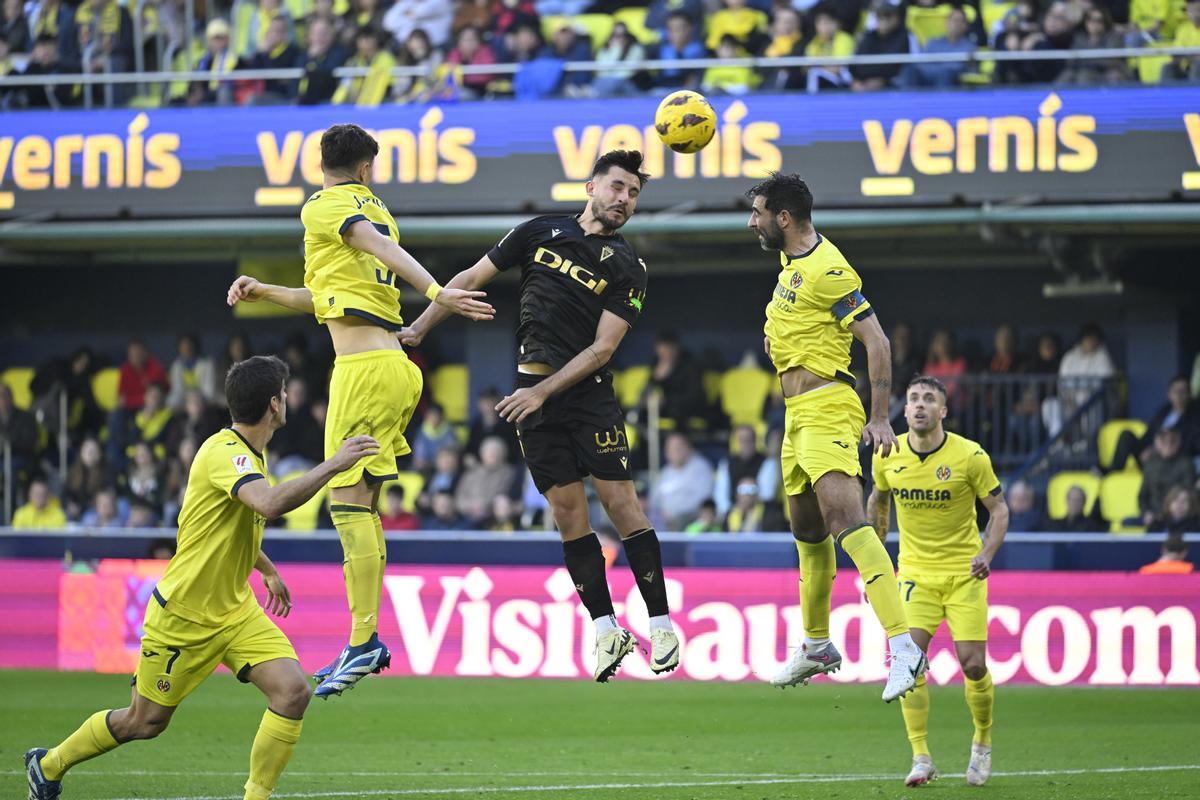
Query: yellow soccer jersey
x,y
816,298
345,281
935,496
219,536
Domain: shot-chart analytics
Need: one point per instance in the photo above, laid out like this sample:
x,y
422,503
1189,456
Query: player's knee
x,y
293,699
809,534
974,667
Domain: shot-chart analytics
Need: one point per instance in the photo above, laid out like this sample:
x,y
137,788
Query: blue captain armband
x,y
851,307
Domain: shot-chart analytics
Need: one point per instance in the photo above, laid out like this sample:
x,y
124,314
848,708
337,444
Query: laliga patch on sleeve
x,y
242,464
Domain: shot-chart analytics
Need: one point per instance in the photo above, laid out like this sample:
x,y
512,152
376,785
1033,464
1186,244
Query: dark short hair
x,y
1092,330
927,380
250,385
347,146
370,32
628,160
785,193
680,15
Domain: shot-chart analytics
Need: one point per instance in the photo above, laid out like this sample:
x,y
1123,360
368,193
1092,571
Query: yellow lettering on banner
x,y
887,154
1191,122
969,130
110,148
310,159
6,148
161,153
731,140
1073,134
135,162
31,163
685,165
427,155
65,148
1020,130
279,162
620,137
397,156
454,147
577,157
932,143
759,140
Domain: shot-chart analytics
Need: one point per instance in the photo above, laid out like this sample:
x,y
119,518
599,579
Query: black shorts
x,y
576,433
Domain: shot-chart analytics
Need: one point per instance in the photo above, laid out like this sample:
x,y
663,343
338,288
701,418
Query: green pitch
x,y
554,740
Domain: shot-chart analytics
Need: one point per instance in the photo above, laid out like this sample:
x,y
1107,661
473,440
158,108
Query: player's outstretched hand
x,y
980,567
244,288
279,599
879,436
520,404
410,336
466,303
352,450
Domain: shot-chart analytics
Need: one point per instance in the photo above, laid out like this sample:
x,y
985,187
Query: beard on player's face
x,y
610,217
770,235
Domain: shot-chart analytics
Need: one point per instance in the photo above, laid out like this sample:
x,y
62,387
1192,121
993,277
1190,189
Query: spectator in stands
x,y
659,13
447,470
488,423
197,420
503,516
41,510
87,474
678,44
746,26
889,37
678,380
254,38
319,61
141,515
786,39
105,35
470,49
1006,358
18,430
369,90
743,461
684,483
397,518
418,51
191,370
472,14
150,423
1047,355
105,511
45,60
706,520
1023,515
770,473
1180,512
1077,519
905,363
1025,420
14,27
432,16
1097,34
1151,21
140,370
1187,35
278,51
567,44
434,435
179,466
237,348
1166,468
300,444
1179,412
621,47
507,15
480,483
6,68
944,363
1056,33
1173,560
55,21
361,14
747,512
522,43
828,40
144,477
560,8
218,60
943,75
1084,367
443,515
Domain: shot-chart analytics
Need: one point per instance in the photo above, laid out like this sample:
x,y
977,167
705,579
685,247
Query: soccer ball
x,y
685,121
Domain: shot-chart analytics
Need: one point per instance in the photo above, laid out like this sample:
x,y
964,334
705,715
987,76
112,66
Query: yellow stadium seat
x,y
104,387
412,483
712,386
744,391
1150,68
992,12
635,20
1061,483
1110,432
1119,501
629,385
18,380
450,386
930,23
305,517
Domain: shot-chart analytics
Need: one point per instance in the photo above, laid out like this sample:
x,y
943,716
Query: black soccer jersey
x,y
568,278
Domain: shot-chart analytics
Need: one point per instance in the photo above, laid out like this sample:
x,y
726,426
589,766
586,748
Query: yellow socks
x,y
915,707
381,543
878,574
981,697
362,565
818,565
92,739
273,746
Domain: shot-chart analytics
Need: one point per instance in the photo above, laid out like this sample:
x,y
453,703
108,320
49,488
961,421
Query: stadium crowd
x,y
54,37
128,467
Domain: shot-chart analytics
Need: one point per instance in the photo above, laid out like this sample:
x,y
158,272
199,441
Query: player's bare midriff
x,y
352,335
799,380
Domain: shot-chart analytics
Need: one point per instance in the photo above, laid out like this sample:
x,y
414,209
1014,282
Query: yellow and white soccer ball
x,y
685,121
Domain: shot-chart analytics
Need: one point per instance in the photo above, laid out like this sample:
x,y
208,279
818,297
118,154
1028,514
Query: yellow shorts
x,y
822,430
959,599
372,393
178,654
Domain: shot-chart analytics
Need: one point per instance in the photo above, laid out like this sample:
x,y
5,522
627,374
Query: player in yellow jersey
x,y
935,478
353,263
816,310
203,612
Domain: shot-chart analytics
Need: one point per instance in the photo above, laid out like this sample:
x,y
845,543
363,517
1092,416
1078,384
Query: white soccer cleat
x,y
908,665
611,648
979,769
922,772
664,651
805,664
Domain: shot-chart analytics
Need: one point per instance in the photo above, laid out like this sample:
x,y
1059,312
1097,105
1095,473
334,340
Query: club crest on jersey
x,y
242,464
943,473
797,280
163,685
605,252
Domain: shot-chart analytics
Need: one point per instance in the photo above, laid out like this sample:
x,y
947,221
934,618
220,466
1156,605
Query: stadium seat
x,y
629,385
992,12
930,23
412,483
1110,432
305,517
1061,483
104,387
450,386
712,386
1150,68
18,380
1119,501
635,20
744,391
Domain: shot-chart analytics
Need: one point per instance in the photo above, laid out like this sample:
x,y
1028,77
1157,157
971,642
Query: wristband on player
x,y
432,291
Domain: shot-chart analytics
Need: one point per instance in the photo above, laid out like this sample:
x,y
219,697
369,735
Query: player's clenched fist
x,y
466,303
352,450
244,288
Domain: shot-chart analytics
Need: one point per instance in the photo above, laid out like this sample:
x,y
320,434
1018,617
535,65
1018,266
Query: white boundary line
x,y
585,787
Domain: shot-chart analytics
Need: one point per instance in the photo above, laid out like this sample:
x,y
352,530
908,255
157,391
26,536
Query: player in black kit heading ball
x,y
582,289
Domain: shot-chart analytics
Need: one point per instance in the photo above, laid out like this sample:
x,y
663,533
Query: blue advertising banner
x,y
935,148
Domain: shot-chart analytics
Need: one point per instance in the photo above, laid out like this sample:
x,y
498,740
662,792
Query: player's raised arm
x,y
275,501
250,290
475,277
362,235
878,431
523,402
